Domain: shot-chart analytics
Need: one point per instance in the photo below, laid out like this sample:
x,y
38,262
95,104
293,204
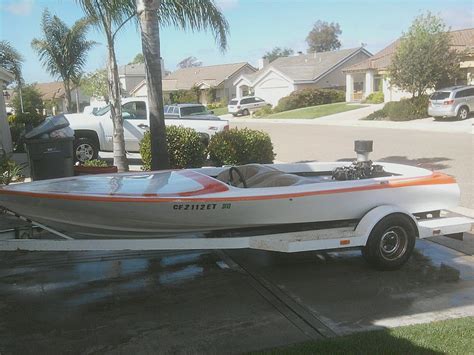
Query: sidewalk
x,y
354,119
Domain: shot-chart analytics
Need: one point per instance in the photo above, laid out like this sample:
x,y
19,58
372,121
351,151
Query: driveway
x,y
217,302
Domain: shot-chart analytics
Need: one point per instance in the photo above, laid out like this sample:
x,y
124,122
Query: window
x,y
233,102
470,92
102,111
257,99
193,110
246,101
135,109
459,94
176,110
440,95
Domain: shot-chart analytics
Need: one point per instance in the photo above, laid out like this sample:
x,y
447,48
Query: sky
x,y
256,26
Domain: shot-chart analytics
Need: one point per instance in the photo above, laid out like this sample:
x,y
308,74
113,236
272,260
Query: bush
x,y
183,97
9,170
214,105
241,146
96,163
309,97
403,110
375,98
19,123
407,109
32,100
264,111
185,148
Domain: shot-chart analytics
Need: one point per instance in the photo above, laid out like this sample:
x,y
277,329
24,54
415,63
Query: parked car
x,y
455,101
94,132
189,111
245,105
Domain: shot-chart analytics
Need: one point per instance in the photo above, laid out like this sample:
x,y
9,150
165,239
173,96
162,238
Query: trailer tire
x,y
391,242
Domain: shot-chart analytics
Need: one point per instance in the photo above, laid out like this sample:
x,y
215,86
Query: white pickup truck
x,y
94,131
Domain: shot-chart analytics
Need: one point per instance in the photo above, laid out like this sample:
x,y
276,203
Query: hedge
x,y
309,97
240,146
403,110
185,148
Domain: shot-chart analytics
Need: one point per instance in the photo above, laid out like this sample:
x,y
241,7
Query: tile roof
x,y
53,90
460,40
188,77
307,67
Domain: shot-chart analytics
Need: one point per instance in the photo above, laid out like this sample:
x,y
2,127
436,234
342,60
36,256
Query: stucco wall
x,y
230,91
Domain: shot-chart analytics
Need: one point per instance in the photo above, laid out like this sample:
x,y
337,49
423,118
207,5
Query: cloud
x,y
18,7
227,4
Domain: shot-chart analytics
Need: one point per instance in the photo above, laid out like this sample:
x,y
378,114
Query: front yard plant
x,y
403,110
309,97
19,123
241,146
10,171
375,98
185,148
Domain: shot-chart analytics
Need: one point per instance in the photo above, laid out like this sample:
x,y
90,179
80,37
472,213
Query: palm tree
x,y
11,60
63,50
111,15
192,14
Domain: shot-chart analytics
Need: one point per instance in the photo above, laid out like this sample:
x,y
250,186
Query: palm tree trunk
x,y
78,109
21,97
120,154
149,26
67,95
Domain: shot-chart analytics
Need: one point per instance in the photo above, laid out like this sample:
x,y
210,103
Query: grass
x,y
220,111
315,111
455,336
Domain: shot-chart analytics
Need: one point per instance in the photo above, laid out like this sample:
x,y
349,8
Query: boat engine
x,y
362,168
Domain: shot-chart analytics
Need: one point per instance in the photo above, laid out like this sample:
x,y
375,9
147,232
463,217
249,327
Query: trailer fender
x,y
374,216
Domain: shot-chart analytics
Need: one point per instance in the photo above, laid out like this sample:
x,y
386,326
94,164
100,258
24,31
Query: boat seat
x,y
281,179
249,172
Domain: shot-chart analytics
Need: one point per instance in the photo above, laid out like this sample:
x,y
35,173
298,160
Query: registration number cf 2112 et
x,y
201,206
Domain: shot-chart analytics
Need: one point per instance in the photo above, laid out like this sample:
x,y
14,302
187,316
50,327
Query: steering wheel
x,y
240,175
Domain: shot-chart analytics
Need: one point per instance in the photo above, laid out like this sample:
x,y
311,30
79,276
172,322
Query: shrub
x,y
214,105
241,146
9,170
264,111
96,163
375,98
19,123
309,97
183,97
407,109
403,110
185,148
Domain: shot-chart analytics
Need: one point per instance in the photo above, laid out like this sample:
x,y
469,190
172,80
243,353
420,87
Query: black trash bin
x,y
50,158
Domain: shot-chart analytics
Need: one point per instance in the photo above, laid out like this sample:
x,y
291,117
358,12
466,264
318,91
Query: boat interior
x,y
260,175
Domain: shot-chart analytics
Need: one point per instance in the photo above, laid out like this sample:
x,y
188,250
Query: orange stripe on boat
x,y
434,179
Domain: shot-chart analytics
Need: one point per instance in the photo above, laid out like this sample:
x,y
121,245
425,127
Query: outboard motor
x,y
362,168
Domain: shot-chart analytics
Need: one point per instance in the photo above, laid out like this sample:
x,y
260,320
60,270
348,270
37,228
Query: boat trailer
x,y
19,236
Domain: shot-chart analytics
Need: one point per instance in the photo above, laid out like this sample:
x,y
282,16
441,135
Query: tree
x,y
138,59
96,84
423,57
31,101
63,50
324,37
192,14
11,60
277,52
189,62
109,16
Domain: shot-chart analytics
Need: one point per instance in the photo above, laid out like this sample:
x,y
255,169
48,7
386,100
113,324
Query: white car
x,y
94,132
245,105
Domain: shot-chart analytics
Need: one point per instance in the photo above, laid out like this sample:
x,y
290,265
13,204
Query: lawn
x,y
315,111
220,111
455,336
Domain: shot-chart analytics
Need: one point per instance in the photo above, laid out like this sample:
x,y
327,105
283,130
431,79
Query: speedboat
x,y
175,202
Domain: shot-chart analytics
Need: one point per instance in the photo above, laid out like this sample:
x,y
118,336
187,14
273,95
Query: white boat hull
x,y
124,215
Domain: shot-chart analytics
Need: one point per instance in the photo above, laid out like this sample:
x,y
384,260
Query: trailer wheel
x,y
391,242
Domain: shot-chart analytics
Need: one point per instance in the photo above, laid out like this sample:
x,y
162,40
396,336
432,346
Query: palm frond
x,y
11,59
195,15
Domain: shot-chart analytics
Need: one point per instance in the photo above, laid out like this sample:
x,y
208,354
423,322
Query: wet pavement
x,y
217,302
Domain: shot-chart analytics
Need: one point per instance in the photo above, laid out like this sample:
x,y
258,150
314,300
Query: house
x,y
130,76
287,74
54,97
5,137
219,78
369,76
